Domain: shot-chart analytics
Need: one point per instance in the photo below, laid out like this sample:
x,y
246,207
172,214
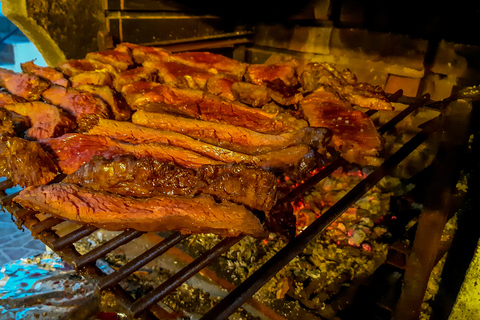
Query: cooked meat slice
x,y
134,91
120,60
147,177
221,85
205,106
95,78
134,75
251,94
24,85
25,162
212,62
141,54
7,128
47,73
283,94
132,133
47,120
8,98
180,75
73,67
199,214
71,151
231,137
118,106
345,84
76,102
262,74
354,134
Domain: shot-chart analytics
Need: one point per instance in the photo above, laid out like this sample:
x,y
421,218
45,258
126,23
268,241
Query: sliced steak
x,y
47,73
120,60
354,134
141,54
73,67
133,75
199,214
118,106
71,151
95,78
251,94
27,86
212,62
134,91
232,137
345,84
262,74
46,120
221,85
147,177
25,162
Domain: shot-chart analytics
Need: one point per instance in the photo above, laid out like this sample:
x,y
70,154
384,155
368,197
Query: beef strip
x,y
354,134
147,177
345,84
8,98
78,103
262,74
129,132
199,214
221,85
46,120
7,128
133,75
232,137
141,54
212,62
47,73
205,106
118,105
71,151
120,60
180,75
134,91
251,94
13,121
24,85
25,162
73,67
96,78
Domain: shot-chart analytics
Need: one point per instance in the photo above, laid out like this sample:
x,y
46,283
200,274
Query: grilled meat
x,y
118,106
46,120
251,94
72,67
232,137
95,78
180,75
71,151
136,90
212,62
120,60
8,98
134,75
25,162
199,214
24,85
345,84
205,106
78,103
140,54
282,94
7,128
147,177
47,73
221,85
262,74
354,134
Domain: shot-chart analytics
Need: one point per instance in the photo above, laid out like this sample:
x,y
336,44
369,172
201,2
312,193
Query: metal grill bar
x,y
105,248
72,237
141,260
44,225
259,278
183,275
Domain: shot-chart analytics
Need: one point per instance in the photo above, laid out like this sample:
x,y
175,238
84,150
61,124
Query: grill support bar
x,y
252,284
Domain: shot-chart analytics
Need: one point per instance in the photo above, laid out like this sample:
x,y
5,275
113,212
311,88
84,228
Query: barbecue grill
x,y
317,31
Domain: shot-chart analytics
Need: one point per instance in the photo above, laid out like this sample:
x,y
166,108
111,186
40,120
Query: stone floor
x,y
15,243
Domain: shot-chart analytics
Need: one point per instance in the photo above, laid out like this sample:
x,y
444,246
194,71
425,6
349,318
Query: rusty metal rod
x,y
6,184
44,225
183,275
72,237
252,284
108,246
141,260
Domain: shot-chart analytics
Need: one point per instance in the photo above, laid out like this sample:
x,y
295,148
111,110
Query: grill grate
x,y
145,306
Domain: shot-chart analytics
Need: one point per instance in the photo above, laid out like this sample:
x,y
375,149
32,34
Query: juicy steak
x,y
47,73
147,177
199,214
25,162
27,86
354,134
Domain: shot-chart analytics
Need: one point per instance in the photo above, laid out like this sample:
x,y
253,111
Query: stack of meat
x,y
192,141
